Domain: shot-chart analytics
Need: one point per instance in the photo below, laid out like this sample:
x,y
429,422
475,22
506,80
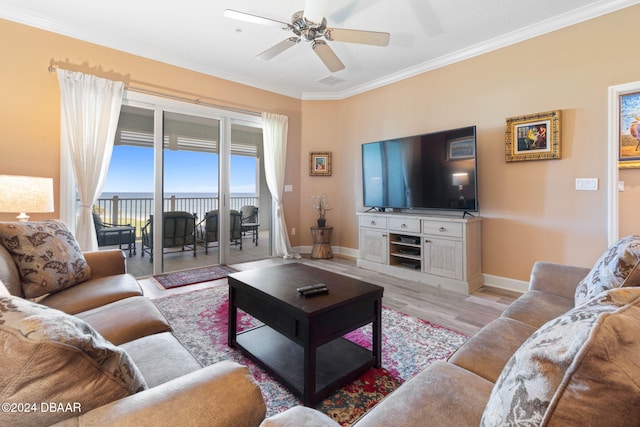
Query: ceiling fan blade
x,y
278,48
314,10
255,19
328,56
374,38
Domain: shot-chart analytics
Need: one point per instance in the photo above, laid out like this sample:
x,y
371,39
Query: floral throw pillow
x,y
618,266
47,255
50,356
576,370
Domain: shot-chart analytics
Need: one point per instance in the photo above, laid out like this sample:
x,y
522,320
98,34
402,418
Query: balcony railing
x,y
136,211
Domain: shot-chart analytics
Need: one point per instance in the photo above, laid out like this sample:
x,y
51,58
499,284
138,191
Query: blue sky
x,y
131,170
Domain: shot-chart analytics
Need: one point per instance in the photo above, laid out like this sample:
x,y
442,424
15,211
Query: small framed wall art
x,y
533,137
320,163
629,131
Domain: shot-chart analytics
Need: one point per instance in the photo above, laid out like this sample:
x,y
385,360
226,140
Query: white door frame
x,y
613,211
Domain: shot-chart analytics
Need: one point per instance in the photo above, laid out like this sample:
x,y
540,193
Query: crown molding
x,y
562,21
523,34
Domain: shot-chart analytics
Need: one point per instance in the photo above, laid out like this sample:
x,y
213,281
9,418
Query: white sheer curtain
x,y
89,111
275,129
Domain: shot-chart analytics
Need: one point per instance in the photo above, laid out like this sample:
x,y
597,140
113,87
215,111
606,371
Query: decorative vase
x,y
322,222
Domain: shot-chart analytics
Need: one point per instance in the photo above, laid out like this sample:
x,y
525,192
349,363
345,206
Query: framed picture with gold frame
x,y
320,163
533,137
629,131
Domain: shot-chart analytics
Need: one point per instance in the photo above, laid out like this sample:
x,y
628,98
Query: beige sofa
x,y
100,353
544,361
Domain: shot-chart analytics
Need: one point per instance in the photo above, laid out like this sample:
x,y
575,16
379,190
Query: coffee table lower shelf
x,y
338,362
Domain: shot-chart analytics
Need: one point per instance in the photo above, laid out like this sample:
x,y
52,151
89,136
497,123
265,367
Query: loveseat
x,y
565,353
92,350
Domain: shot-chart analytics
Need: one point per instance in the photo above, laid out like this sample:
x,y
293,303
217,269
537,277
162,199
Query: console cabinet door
x,y
374,245
443,257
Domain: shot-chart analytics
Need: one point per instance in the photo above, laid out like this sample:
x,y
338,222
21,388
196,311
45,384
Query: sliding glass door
x,y
187,178
191,186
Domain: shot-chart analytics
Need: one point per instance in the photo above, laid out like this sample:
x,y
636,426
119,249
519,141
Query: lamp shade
x,y
25,194
460,178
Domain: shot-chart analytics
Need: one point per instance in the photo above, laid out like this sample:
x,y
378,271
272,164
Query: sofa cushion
x,y
47,255
93,293
618,266
161,358
577,369
49,356
487,352
126,319
536,308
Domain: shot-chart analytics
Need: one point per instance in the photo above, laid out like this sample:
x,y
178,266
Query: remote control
x,y
311,287
316,291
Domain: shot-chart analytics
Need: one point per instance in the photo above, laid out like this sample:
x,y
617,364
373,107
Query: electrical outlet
x,y
293,231
590,184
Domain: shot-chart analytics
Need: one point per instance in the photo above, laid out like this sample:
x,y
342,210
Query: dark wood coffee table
x,y
301,342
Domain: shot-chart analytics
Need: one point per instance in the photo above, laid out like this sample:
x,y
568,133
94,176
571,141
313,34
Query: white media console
x,y
440,251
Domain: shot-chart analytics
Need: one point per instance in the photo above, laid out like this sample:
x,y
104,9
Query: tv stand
x,y
440,251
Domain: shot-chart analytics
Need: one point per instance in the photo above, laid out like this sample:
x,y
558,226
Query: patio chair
x,y
250,221
109,234
208,229
178,232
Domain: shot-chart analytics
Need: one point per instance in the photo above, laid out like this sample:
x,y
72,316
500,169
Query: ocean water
x,y
128,195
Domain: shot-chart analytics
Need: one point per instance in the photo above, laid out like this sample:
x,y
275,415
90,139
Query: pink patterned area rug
x,y
409,345
189,277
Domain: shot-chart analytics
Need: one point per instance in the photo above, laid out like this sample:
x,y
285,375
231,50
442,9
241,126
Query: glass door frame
x,y
159,105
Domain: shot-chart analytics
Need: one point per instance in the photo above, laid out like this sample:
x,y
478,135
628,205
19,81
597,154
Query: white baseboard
x,y
338,250
505,283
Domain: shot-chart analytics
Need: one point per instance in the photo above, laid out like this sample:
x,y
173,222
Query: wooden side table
x,y
321,242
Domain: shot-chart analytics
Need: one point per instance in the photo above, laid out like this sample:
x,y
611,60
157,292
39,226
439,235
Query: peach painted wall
x,y
531,209
321,132
30,111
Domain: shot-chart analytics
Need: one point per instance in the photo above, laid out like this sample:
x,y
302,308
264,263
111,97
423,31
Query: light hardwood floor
x,y
465,314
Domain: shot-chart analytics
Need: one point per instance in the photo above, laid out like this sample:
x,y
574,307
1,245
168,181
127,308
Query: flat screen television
x,y
431,171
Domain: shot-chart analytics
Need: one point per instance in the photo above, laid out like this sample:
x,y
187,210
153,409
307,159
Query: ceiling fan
x,y
310,25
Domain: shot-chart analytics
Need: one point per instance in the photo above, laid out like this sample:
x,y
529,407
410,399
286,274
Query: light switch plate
x,y
590,184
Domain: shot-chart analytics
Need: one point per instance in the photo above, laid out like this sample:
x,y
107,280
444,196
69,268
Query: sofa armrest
x,y
223,394
557,279
106,263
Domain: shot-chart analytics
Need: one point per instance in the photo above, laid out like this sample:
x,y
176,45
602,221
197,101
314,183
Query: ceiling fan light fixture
x,y
310,25
314,11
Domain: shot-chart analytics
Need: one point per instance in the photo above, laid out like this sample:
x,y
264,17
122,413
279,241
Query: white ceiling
x,y
194,34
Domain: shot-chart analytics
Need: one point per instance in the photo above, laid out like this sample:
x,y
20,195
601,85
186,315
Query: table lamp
x,y
460,179
25,194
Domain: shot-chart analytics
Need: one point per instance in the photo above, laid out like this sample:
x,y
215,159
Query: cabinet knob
x,y
442,229
404,226
373,222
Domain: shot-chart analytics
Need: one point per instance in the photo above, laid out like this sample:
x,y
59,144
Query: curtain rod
x,y
52,69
